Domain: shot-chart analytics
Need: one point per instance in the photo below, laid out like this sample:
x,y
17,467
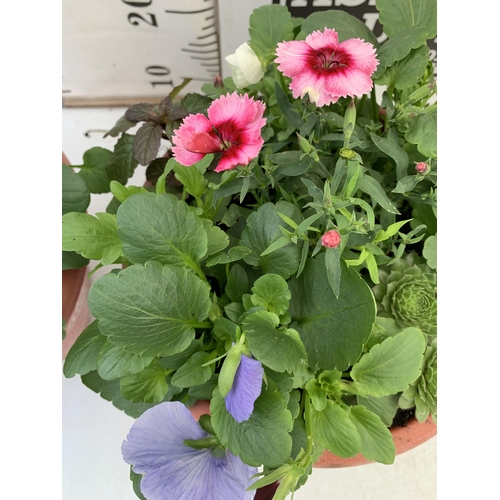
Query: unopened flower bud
x,y
218,82
350,119
304,144
331,239
422,167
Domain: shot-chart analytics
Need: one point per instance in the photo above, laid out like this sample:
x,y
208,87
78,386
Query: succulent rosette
x,y
407,292
422,394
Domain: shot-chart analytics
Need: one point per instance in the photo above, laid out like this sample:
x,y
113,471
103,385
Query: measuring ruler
x,y
115,52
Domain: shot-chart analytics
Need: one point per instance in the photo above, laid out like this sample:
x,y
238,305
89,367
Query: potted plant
x,y
280,263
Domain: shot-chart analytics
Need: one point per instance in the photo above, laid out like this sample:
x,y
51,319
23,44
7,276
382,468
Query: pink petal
x,y
185,157
203,143
239,110
319,40
350,82
362,54
293,57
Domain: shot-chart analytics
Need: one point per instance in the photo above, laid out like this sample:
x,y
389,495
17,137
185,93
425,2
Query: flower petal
x,y
293,57
361,53
246,389
241,111
248,63
320,39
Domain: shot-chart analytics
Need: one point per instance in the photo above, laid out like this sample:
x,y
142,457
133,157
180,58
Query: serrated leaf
x,y
391,366
150,310
93,237
147,386
264,438
346,25
82,357
385,407
394,151
271,291
75,193
195,103
217,239
110,391
376,439
192,373
114,362
333,430
121,126
422,131
279,349
262,229
269,25
333,330
141,112
147,143
93,170
398,16
161,228
122,165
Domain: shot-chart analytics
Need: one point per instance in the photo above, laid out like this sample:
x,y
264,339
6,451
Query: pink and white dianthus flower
x,y
232,128
325,69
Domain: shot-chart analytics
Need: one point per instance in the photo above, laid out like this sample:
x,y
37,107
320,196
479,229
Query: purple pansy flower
x,y
173,471
246,389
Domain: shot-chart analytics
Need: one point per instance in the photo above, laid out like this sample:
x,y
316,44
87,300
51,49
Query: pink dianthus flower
x,y
326,69
331,239
232,128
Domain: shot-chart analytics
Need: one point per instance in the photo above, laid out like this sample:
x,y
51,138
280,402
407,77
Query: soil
x,y
402,416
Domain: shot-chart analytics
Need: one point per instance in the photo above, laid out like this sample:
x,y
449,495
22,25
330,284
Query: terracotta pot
x,y
405,438
75,311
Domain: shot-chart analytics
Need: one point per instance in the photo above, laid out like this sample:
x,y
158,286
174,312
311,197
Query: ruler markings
x,y
210,64
205,58
209,17
198,79
201,51
206,36
208,27
201,44
189,11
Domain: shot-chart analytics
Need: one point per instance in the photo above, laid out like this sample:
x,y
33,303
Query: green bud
x,y
201,444
350,119
348,154
304,144
228,370
420,93
205,422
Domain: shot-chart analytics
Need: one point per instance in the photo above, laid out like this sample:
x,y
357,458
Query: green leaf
x,y
141,112
262,229
114,362
121,193
148,386
430,251
271,291
237,283
279,349
317,394
391,366
385,407
377,193
346,25
161,228
121,126
333,330
235,253
408,71
333,269
264,438
399,46
399,16
93,170
422,131
333,430
394,151
136,483
150,310
192,179
195,103
93,237
286,108
82,357
269,25
75,193
406,184
192,372
217,239
376,439
121,167
72,260
229,368
147,143
110,391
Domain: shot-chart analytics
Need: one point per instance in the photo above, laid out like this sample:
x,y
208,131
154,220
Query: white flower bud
x,y
246,67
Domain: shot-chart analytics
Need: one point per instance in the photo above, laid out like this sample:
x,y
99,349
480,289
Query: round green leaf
x,y
150,310
271,291
333,330
75,193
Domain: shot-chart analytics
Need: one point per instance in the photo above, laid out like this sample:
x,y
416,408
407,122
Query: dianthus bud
x,y
218,82
331,239
422,167
304,144
350,119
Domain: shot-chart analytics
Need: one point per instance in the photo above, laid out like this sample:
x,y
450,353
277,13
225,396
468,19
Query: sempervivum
x,y
423,392
407,292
